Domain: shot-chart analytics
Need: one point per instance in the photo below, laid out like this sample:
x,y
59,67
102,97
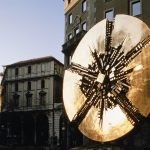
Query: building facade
x,y
31,102
81,16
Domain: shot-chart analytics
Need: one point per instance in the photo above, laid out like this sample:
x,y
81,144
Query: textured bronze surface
x,y
100,121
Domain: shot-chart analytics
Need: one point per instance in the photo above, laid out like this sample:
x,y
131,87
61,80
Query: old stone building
x,y
31,102
80,17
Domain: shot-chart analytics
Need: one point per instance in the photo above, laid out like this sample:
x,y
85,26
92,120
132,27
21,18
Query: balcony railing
x,y
73,42
33,76
8,108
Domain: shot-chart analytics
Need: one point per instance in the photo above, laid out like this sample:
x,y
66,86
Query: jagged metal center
x,y
105,82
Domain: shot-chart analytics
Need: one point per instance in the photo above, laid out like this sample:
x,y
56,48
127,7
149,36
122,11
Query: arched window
x,y
42,97
29,99
16,100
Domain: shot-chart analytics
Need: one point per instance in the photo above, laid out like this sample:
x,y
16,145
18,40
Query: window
x,y
42,99
43,67
109,14
135,8
29,100
70,19
42,84
42,96
29,86
84,6
84,26
77,30
69,36
16,100
29,69
16,71
16,87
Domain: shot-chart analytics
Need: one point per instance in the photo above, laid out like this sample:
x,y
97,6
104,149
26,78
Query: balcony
x,y
72,43
11,108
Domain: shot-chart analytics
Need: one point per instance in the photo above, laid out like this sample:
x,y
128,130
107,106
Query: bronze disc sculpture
x,y
105,88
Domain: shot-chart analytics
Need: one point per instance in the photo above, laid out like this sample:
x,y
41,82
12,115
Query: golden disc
x,y
105,89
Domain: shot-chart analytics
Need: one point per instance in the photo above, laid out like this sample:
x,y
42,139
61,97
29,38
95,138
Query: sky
x,y
30,29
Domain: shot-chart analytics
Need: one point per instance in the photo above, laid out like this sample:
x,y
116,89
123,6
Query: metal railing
x,y
8,108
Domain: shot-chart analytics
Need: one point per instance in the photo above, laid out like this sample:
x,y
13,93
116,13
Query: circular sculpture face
x,y
106,86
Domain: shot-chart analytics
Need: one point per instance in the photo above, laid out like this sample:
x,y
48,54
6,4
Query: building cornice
x,y
68,6
33,61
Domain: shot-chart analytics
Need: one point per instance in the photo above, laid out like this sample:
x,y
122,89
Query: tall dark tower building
x,y
81,16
